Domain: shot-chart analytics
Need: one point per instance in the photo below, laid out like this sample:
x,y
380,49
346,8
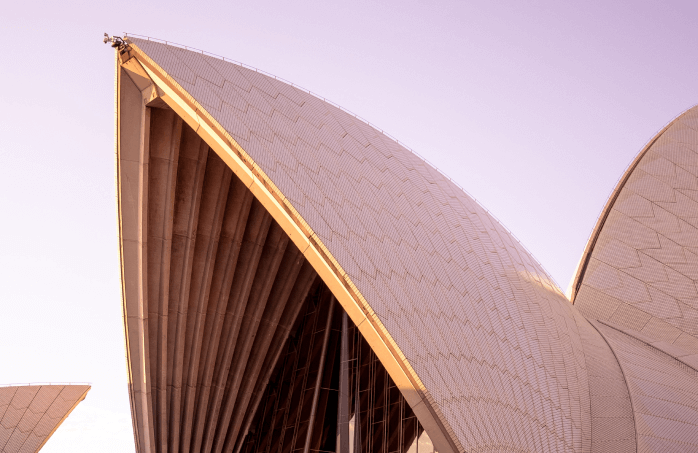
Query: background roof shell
x,y
30,414
641,266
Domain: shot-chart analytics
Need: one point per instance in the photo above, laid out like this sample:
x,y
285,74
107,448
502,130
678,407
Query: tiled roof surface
x,y
612,419
493,340
664,393
30,414
643,268
639,281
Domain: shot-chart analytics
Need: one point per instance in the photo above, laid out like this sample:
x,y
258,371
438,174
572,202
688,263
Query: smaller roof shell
x,y
30,414
640,267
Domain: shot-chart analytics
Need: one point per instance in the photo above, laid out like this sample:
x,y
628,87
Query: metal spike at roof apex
x,y
117,41
229,60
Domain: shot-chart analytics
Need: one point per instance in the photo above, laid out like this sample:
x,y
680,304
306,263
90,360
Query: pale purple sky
x,y
535,107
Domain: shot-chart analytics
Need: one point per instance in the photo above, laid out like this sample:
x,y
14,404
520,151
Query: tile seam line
x,y
363,120
625,271
681,362
132,51
42,416
622,371
2,416
20,419
610,202
60,422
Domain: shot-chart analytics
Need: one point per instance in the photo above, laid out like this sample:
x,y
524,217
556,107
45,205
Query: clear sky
x,y
535,107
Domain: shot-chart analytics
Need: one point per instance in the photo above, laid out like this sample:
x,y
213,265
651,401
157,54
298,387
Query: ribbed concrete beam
x,y
270,348
132,175
214,201
165,137
272,254
250,254
234,225
190,181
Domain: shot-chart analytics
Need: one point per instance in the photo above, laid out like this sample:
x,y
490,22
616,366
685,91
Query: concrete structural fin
x,y
247,207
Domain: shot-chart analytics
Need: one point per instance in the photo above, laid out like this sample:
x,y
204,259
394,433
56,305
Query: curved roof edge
x,y
360,118
589,248
623,390
303,236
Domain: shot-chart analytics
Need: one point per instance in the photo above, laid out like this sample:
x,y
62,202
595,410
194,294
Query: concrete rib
x,y
134,154
271,258
214,201
237,212
165,135
194,154
270,349
278,298
250,254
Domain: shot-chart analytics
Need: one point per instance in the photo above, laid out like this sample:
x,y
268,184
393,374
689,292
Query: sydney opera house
x,y
294,280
